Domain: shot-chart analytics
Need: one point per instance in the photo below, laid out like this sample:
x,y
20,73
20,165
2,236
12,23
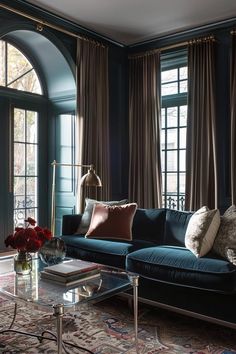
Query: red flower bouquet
x,y
28,239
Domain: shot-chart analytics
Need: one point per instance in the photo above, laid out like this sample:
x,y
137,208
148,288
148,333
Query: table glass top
x,y
32,288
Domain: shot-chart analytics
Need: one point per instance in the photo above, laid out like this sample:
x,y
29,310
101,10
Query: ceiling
x,y
132,21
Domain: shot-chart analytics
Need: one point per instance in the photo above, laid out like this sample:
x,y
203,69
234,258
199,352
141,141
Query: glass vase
x,y
23,263
53,251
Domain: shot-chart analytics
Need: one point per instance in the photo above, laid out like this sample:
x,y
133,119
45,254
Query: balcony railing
x,y
174,202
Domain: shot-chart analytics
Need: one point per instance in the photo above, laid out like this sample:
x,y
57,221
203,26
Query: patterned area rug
x,y
107,329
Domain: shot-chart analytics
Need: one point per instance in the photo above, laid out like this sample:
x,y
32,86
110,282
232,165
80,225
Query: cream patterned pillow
x,y
225,241
201,231
87,214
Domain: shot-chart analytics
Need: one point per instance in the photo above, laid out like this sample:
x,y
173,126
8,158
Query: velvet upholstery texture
x,y
178,265
112,221
176,226
149,224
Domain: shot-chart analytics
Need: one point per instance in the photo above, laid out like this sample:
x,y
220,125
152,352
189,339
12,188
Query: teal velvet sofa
x,y
171,276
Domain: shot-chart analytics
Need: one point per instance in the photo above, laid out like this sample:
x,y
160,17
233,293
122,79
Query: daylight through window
x,y
173,129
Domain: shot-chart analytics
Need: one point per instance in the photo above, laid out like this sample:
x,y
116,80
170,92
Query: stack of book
x,y
71,272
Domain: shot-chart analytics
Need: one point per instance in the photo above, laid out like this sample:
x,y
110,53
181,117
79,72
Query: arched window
x,y
16,71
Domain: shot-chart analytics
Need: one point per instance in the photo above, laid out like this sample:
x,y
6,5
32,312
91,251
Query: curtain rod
x,y
182,44
41,23
172,46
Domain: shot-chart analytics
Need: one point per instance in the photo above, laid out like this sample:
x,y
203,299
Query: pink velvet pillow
x,y
112,221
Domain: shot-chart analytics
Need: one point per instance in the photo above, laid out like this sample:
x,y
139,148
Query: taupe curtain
x,y
201,164
92,106
233,117
144,131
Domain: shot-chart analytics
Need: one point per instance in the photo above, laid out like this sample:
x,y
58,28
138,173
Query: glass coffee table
x,y
33,290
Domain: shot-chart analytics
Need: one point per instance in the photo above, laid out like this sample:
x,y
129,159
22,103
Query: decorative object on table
x,y
25,241
53,251
90,179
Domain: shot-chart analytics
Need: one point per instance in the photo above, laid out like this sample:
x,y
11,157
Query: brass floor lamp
x,y
90,179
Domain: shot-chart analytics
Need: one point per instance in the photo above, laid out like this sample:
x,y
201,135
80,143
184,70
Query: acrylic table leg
x,y
58,313
134,282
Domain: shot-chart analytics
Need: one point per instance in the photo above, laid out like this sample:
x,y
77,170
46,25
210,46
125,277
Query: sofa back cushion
x,y
149,225
176,225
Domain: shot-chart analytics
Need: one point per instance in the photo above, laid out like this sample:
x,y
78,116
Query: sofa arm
x,y
70,223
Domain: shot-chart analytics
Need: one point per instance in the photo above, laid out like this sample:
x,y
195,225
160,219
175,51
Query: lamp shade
x,y
91,179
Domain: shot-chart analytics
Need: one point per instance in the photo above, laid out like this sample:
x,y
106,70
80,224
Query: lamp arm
x,y
54,163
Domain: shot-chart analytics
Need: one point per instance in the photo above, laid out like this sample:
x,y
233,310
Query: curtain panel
x,y
144,131
233,117
201,163
93,110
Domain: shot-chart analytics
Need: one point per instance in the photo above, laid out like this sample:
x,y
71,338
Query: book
x,y
71,267
67,279
72,283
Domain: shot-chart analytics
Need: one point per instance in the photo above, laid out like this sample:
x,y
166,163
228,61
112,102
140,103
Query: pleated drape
x,y
93,110
201,162
144,131
233,117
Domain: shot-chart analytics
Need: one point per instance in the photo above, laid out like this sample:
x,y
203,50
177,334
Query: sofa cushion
x,y
87,214
149,225
178,265
112,221
201,231
225,241
108,252
176,225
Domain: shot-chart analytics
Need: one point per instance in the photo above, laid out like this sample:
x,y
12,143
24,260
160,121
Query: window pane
x,y
19,187
31,158
163,139
169,89
20,73
19,125
163,161
171,138
19,159
169,75
32,213
183,86
19,217
31,127
182,183
182,160
29,82
171,160
17,63
172,114
183,115
163,122
171,179
183,73
182,137
2,63
31,183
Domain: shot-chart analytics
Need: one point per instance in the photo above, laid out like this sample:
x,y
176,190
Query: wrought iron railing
x,y
176,202
21,205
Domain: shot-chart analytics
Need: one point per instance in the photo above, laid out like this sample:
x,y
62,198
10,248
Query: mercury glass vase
x,y
23,263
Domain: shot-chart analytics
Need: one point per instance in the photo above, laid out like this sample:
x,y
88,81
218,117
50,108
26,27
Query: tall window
x,y
25,178
173,128
16,72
